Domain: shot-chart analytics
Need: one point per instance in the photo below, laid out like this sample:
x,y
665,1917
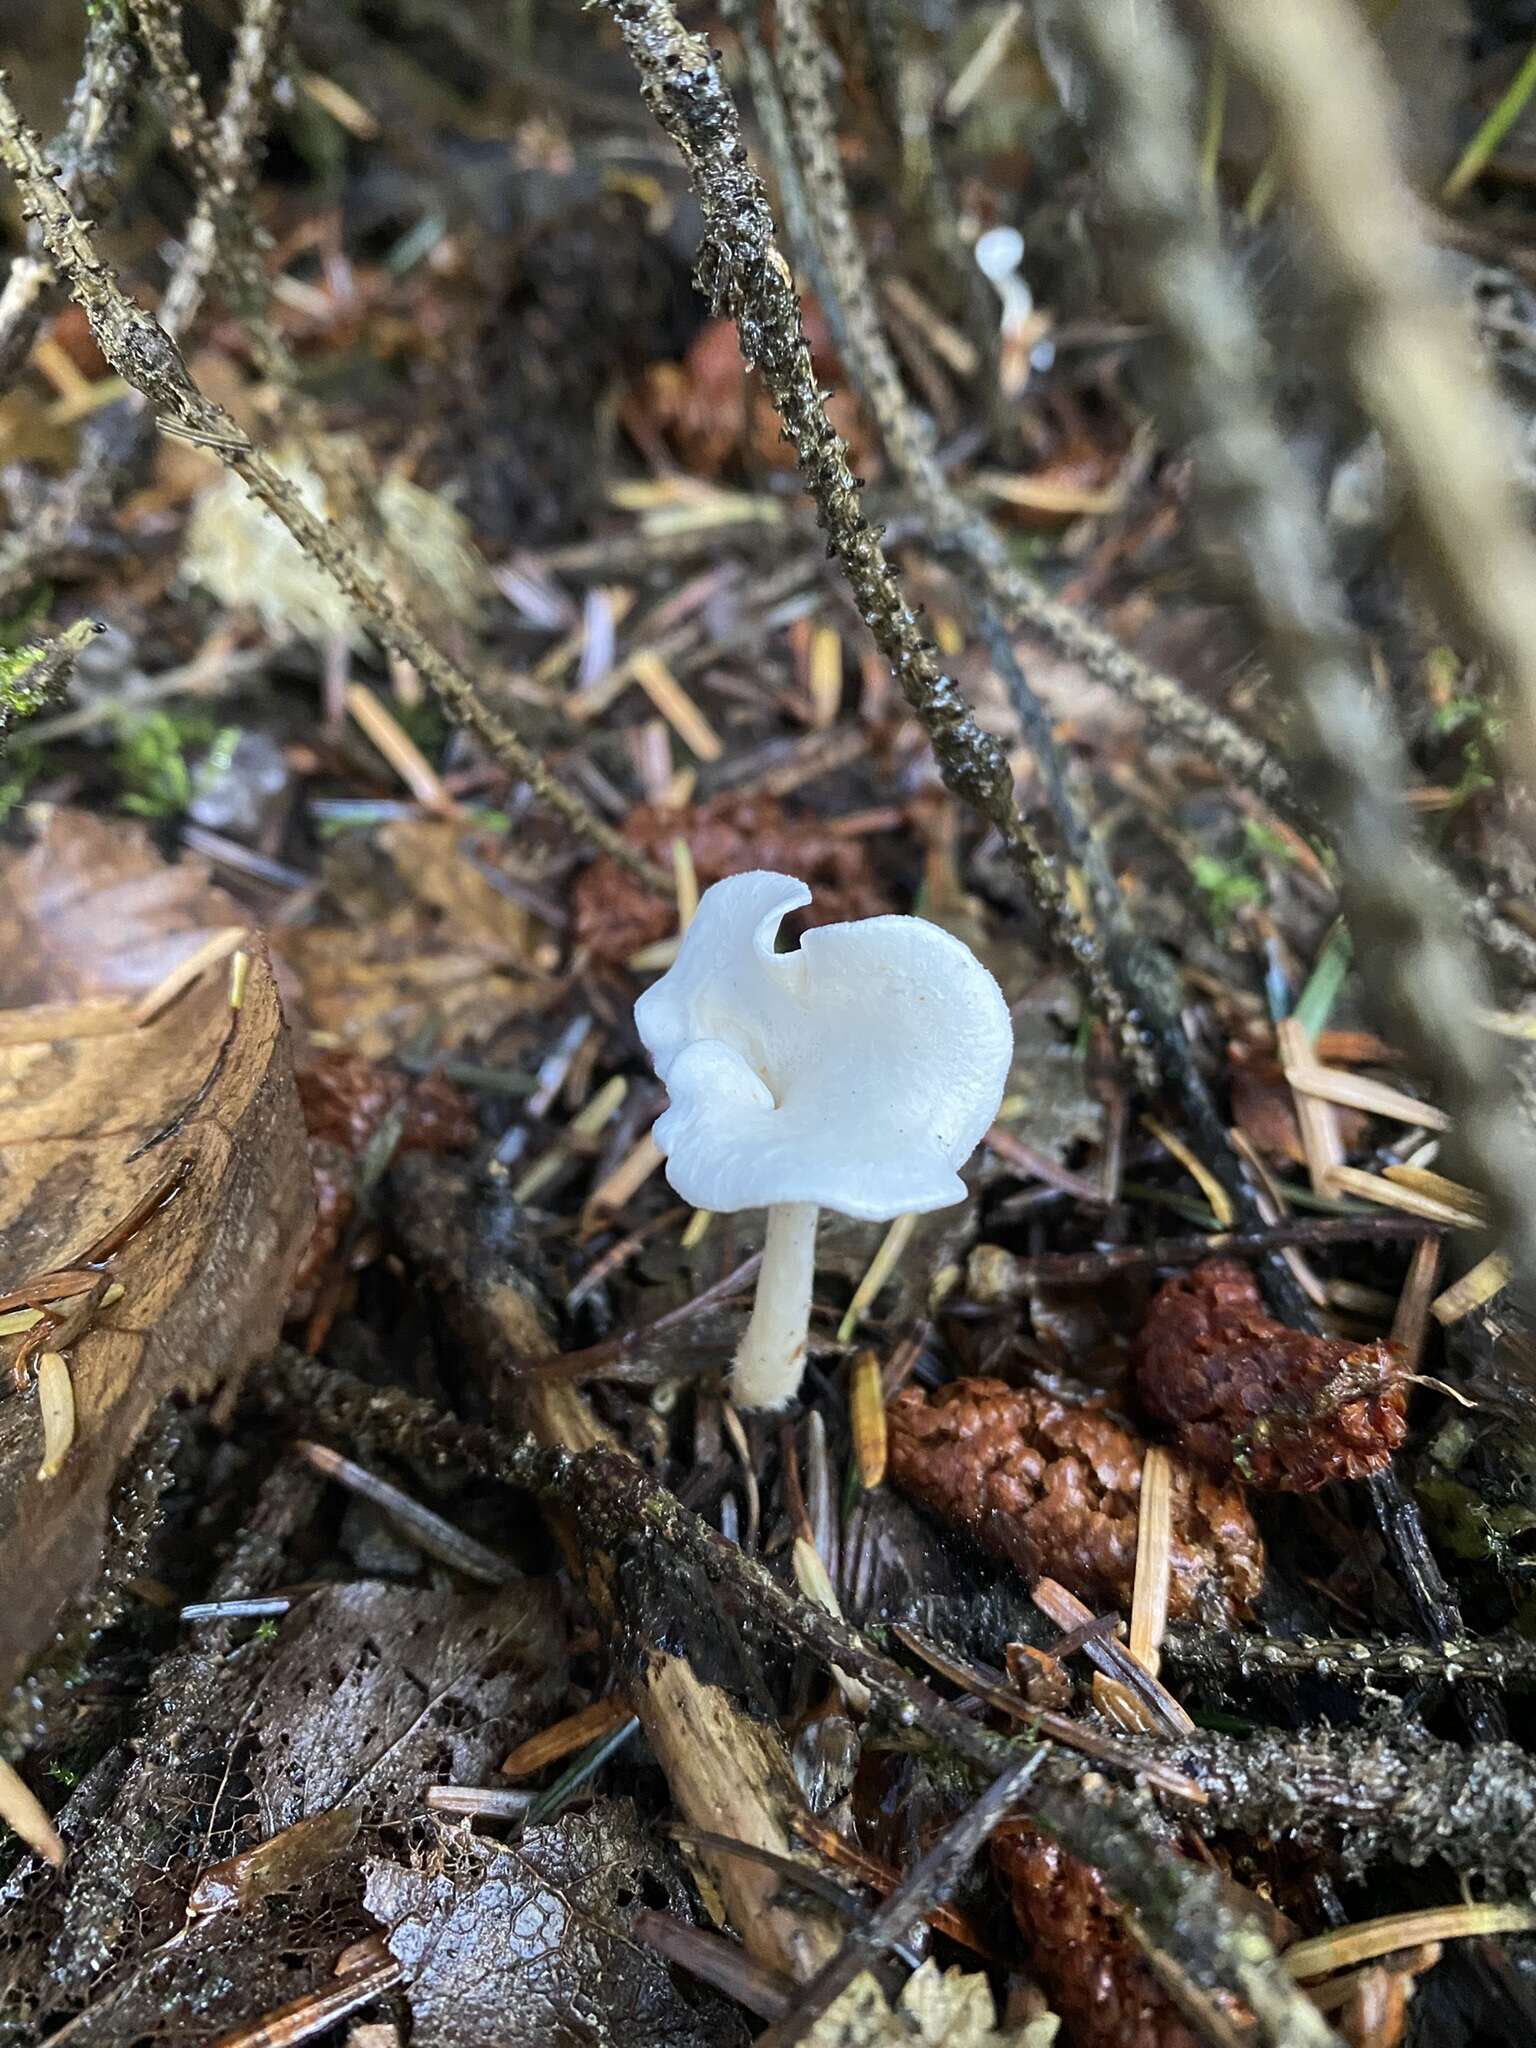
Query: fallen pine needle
x,y
56,1403
613,1193
392,740
1317,1120
1486,1279
23,1814
586,1123
880,1269
1392,1194
675,705
1154,1557
1440,1189
218,946
1356,1091
824,676
1199,1172
866,1409
563,1738
685,880
1346,1946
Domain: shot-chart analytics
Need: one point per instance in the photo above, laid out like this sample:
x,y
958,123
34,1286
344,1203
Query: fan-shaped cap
x,y
857,1072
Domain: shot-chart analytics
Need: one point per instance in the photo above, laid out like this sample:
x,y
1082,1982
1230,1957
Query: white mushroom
x,y
855,1073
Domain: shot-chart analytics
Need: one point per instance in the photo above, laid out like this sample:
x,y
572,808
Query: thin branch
x,y
956,528
931,1881
145,356
1413,954
1412,361
85,149
741,270
1217,1656
617,1504
224,157
1370,1794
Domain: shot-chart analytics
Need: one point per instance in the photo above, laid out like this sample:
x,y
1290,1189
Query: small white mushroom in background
x,y
855,1073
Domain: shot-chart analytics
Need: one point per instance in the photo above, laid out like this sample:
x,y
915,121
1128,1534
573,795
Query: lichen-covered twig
x,y
99,114
741,269
144,355
1412,361
34,677
1370,1794
1217,1656
224,156
1413,953
957,529
618,1506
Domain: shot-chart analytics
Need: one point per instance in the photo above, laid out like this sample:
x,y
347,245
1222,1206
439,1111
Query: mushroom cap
x,y
856,1072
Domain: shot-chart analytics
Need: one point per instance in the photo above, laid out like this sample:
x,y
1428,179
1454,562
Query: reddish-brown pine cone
x,y
1288,1410
616,915
1052,1488
1088,1966
345,1099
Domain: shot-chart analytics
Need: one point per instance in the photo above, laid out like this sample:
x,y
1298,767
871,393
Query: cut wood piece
x,y
200,1104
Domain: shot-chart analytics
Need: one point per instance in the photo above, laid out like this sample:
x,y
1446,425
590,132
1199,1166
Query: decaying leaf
x,y
413,933
934,2009
172,1150
89,911
377,1691
529,1944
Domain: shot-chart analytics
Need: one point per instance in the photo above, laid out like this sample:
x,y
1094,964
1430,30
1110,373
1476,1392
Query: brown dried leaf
x,y
89,1126
415,936
529,1944
1053,1489
91,910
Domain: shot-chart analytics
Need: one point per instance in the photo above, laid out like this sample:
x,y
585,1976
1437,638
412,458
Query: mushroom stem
x,y
772,1355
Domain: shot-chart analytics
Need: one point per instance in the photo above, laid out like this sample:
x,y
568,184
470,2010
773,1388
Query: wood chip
x,y
1487,1278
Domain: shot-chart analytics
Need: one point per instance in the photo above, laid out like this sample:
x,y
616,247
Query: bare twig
x,y
98,116
1411,359
1216,1656
933,1877
741,269
144,355
620,1507
1414,956
224,155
